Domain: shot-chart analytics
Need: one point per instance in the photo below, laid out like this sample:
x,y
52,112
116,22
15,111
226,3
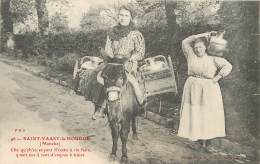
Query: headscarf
x,y
120,31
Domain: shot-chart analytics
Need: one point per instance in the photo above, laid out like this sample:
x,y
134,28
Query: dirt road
x,y
40,108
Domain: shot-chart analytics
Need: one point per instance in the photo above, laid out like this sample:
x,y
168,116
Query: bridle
x,y
116,89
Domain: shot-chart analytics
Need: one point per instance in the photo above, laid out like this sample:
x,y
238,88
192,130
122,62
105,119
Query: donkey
x,y
122,106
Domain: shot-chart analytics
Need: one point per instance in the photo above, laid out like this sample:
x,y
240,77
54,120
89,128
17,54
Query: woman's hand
x,y
121,57
216,78
213,33
206,34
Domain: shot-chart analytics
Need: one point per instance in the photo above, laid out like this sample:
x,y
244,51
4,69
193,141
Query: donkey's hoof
x,y
112,157
124,160
135,137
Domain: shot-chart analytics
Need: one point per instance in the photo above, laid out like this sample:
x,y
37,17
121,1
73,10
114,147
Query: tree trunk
x,y
43,19
6,21
173,29
174,37
1,25
6,16
170,6
240,88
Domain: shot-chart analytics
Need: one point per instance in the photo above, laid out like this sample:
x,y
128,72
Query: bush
x,y
67,62
61,44
76,42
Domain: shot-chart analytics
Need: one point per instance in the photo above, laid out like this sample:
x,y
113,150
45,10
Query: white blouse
x,y
206,66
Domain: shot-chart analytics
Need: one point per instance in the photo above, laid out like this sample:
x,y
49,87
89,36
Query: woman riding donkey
x,y
124,43
117,90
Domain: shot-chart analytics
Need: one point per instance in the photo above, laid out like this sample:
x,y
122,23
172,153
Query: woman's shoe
x,y
100,113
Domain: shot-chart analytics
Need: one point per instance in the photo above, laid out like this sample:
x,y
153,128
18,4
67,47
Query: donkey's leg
x,y
134,128
115,135
124,136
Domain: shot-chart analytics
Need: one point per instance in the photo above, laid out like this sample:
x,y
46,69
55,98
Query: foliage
x,y
58,44
154,19
103,18
192,13
60,2
108,16
21,9
239,19
149,6
24,11
91,20
59,22
67,62
60,6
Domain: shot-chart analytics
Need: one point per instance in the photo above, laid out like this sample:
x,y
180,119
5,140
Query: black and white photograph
x,y
129,82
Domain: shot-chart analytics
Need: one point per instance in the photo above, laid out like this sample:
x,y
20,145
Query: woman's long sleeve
x,y
223,65
186,46
139,46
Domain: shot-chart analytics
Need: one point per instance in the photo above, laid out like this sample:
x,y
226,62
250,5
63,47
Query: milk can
x,y
217,45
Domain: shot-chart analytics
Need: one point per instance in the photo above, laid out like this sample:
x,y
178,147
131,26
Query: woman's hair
x,y
200,40
130,9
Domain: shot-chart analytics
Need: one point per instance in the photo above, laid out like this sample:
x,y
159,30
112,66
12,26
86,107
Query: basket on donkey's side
x,y
82,71
158,76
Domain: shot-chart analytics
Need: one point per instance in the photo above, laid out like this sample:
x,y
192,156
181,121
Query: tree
x,y
91,20
6,21
1,27
1,34
21,9
241,25
59,22
42,13
35,11
6,16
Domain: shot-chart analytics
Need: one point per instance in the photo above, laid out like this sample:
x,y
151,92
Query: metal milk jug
x,y
217,45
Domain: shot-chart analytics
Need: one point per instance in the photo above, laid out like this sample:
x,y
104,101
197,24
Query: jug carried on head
x,y
217,45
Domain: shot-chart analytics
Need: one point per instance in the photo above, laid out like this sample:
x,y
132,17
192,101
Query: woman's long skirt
x,y
202,112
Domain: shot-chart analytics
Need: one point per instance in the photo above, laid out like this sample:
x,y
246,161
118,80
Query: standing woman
x,y
202,111
124,41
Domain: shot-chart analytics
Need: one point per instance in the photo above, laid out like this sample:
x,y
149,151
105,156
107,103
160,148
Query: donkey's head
x,y
114,79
